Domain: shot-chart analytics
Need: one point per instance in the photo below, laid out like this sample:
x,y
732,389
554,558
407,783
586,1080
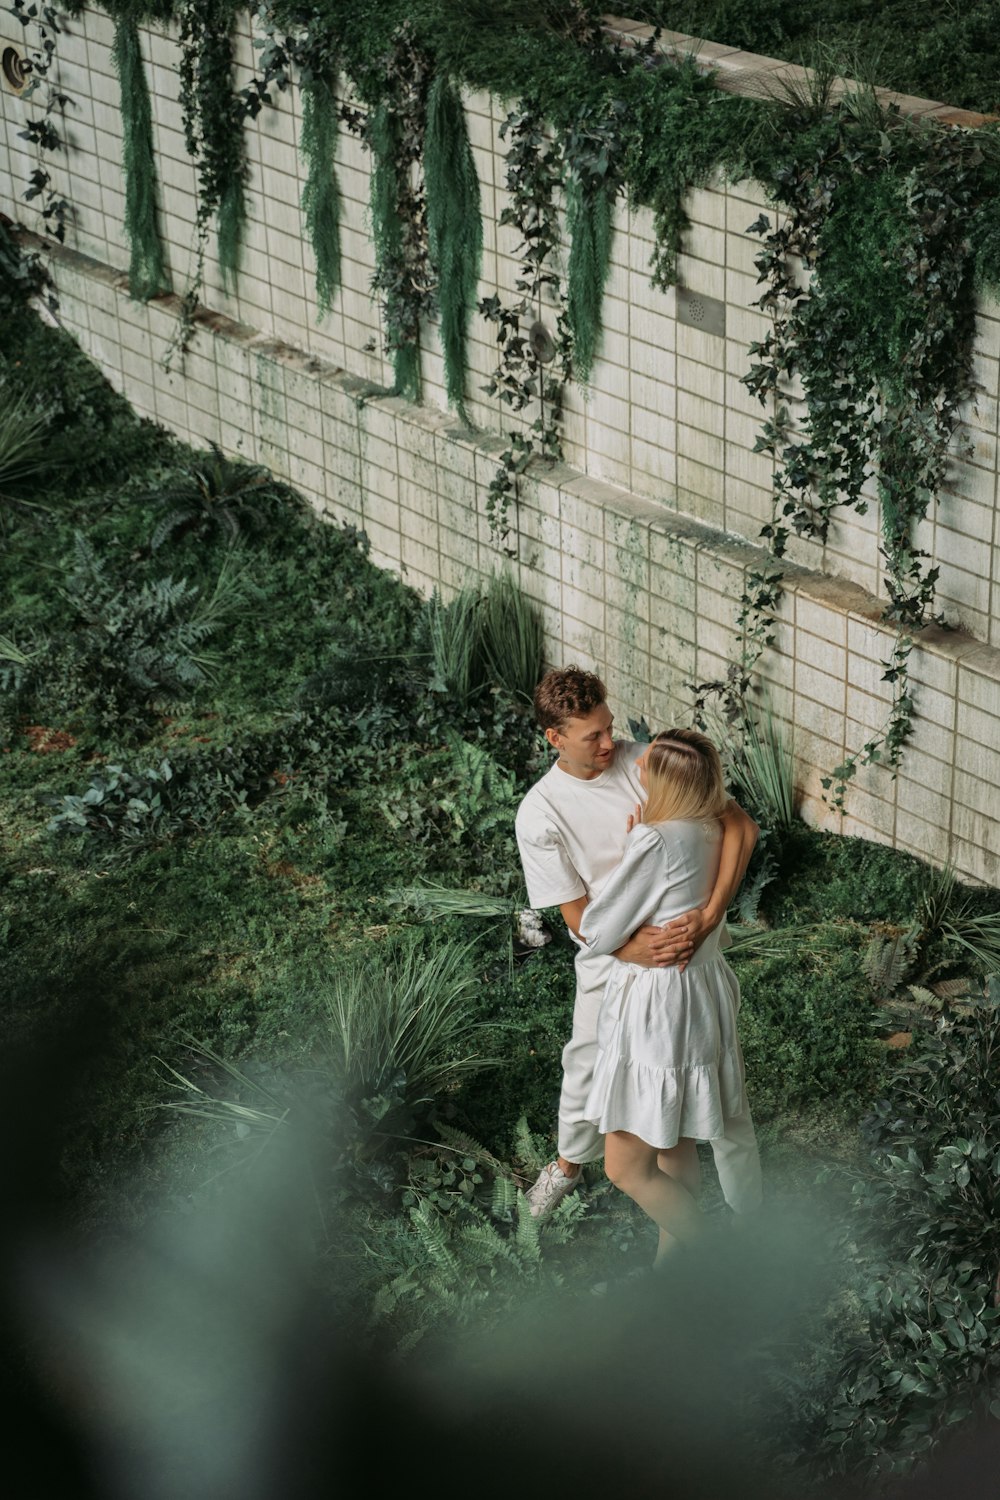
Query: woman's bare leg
x,y
633,1166
682,1163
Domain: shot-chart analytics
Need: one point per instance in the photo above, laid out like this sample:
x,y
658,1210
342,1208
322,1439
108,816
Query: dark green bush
x,y
806,1022
825,876
923,1354
529,1011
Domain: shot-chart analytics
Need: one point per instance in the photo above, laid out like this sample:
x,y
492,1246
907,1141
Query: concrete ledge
x,y
755,76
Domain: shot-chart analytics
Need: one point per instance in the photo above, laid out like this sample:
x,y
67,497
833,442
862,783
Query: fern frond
x,y
888,959
527,1148
464,1144
504,1198
489,1246
432,1236
526,1232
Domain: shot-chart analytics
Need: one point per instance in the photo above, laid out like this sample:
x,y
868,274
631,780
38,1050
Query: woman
x,y
669,1067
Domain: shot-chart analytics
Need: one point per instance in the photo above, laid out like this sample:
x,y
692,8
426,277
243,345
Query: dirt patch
x,y
45,741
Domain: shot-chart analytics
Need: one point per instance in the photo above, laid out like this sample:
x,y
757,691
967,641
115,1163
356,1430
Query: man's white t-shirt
x,y
571,832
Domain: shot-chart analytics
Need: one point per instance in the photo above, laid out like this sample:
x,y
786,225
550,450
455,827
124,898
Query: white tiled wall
x,y
636,547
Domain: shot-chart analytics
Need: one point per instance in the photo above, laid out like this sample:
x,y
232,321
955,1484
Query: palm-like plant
x,y
213,491
761,771
23,443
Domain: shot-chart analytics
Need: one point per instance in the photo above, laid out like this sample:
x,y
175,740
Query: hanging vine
x,y
534,362
293,36
393,130
44,131
147,270
455,227
213,123
320,193
869,282
592,152
213,135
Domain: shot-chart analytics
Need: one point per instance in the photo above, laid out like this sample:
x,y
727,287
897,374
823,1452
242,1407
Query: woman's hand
x,y
633,818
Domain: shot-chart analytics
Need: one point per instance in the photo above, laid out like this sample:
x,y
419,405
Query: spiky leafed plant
x,y
23,443
953,913
513,635
403,1021
761,771
456,643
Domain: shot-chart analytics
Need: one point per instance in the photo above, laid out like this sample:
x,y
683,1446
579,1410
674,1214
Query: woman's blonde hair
x,y
684,773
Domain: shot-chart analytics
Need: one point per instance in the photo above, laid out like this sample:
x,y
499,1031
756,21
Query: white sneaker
x,y
550,1189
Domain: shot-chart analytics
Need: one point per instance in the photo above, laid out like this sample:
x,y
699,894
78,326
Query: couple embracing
x,y
642,850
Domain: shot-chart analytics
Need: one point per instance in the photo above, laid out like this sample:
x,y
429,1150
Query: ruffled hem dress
x,y
669,1062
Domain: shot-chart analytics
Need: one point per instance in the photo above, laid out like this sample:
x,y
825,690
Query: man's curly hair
x,y
567,693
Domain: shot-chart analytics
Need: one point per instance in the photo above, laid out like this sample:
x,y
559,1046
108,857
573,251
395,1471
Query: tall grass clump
x,y
513,636
455,644
403,1022
761,771
23,441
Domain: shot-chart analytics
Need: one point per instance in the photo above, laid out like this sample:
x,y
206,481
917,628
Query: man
x,y
571,829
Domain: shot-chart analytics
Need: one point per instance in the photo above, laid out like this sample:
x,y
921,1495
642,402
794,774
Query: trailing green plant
x,y
884,358
394,131
320,192
592,151
454,227
147,267
534,362
294,36
213,117
23,277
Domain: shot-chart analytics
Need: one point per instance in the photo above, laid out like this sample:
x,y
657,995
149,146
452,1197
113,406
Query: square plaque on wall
x,y
699,311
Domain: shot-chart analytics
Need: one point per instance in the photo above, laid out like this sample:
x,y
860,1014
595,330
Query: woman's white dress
x,y
669,1062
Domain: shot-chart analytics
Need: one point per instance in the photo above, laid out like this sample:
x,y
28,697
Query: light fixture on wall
x,y
16,69
542,343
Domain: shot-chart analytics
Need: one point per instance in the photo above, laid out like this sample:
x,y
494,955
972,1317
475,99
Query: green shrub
x,y
806,1022
529,1016
923,1354
826,876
